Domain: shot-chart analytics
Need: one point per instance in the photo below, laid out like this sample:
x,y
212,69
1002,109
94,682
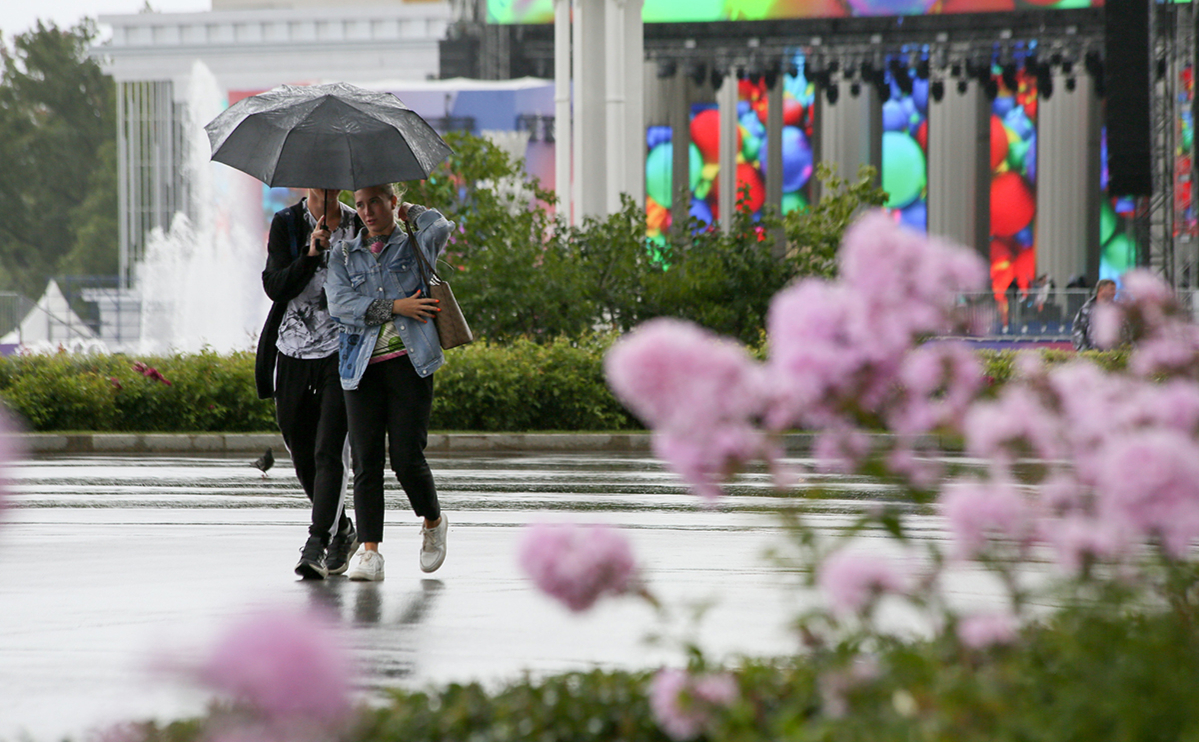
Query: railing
x,y
1043,315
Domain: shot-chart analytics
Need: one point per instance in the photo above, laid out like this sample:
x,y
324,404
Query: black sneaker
x,y
312,560
341,548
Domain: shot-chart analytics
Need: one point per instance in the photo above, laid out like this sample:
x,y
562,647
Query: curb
x,y
210,443
217,443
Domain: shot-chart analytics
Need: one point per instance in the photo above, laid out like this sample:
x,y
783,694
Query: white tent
x,y
50,321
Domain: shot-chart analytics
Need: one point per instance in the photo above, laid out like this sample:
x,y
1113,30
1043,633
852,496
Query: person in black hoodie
x,y
297,365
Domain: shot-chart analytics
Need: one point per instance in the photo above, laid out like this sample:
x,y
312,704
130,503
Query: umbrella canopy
x,y
335,136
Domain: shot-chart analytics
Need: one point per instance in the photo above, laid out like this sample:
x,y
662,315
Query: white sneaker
x,y
432,550
368,568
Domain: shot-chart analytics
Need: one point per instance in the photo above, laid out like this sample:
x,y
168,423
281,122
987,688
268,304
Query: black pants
x,y
392,403
311,411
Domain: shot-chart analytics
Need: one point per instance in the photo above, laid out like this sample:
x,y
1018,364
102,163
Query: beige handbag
x,y
452,329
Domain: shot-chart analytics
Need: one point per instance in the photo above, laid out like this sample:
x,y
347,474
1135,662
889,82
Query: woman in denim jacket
x,y
387,355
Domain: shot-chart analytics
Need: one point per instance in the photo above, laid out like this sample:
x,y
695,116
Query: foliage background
x,y
58,116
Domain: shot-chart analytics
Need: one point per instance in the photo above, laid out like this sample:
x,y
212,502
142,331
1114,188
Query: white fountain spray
x,y
200,282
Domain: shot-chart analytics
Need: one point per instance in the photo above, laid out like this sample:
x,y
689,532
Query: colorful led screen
x,y
1013,134
692,11
753,155
905,149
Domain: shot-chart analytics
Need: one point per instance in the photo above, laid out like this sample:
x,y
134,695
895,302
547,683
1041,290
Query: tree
x,y
57,130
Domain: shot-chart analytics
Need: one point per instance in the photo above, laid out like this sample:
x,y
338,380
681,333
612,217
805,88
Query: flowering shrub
x,y
285,674
1095,468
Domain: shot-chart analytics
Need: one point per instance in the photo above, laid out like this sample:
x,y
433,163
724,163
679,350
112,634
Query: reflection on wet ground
x,y
112,564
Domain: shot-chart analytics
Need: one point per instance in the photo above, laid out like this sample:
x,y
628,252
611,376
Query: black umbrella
x,y
334,136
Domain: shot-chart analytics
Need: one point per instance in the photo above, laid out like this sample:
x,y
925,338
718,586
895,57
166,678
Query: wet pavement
x,y
114,564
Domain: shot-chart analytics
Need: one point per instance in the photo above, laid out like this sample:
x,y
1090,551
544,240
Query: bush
x,y
204,392
522,386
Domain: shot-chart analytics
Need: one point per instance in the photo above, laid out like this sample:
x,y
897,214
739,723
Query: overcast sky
x,y
18,16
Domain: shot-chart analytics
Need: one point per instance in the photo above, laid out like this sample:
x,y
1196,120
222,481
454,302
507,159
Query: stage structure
x,y
1004,113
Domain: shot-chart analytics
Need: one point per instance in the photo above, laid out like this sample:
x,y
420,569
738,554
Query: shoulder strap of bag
x,y
426,270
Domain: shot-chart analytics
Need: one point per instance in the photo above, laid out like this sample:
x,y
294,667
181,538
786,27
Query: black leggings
x,y
311,413
391,402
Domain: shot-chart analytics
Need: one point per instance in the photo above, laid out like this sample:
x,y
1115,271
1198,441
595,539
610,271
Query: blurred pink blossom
x,y
1150,480
683,704
982,630
706,457
285,665
675,375
839,450
1108,325
939,382
851,579
578,564
981,511
1173,349
902,267
1077,539
1016,422
923,472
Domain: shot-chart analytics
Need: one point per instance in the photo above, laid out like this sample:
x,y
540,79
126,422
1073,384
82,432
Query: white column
x,y
846,131
954,126
1065,179
774,144
726,97
590,139
635,71
614,103
562,119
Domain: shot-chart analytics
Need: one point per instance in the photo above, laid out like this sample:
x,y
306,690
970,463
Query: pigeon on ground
x,y
264,462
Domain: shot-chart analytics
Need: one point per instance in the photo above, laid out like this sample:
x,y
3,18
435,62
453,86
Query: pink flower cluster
x,y
839,352
287,668
982,512
852,580
982,630
578,564
1123,464
839,347
149,372
684,703
700,394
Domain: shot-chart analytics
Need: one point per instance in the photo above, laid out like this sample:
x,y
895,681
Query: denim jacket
x,y
357,280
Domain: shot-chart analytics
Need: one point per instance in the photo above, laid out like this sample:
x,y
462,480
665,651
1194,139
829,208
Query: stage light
x,y
936,89
991,88
922,69
717,78
832,93
771,77
666,68
855,89
963,85
1070,84
956,69
698,72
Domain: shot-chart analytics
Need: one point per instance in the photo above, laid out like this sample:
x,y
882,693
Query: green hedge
x,y
521,386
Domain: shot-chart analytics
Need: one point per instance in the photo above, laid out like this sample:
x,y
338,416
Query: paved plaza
x,y
114,564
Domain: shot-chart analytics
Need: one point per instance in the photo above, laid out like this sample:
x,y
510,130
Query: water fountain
x,y
200,281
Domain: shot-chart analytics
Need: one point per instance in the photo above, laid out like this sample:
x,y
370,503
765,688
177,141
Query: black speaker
x,y
1127,108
